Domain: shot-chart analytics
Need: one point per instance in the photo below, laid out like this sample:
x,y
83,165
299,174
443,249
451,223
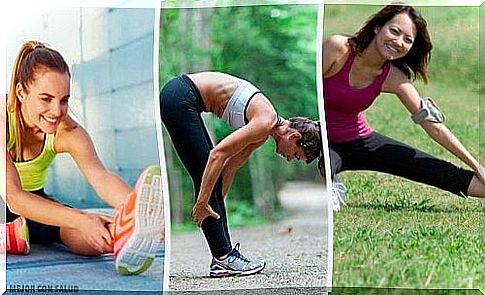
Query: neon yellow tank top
x,y
33,173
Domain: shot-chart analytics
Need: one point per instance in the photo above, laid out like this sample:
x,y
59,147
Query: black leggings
x,y
181,105
383,154
39,233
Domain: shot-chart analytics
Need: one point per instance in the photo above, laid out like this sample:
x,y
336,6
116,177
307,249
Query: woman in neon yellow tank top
x,y
38,128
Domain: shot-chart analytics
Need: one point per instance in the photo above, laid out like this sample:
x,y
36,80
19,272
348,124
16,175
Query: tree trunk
x,y
264,195
202,18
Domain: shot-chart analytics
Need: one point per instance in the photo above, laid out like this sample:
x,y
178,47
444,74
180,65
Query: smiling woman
x,y
47,108
396,37
38,128
383,56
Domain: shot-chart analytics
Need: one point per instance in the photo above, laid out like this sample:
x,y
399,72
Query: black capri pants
x,y
383,154
39,233
181,106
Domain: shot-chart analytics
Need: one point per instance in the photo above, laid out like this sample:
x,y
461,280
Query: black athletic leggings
x,y
383,154
39,233
181,105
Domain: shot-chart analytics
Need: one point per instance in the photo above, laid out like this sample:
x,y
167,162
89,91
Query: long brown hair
x,y
32,56
416,61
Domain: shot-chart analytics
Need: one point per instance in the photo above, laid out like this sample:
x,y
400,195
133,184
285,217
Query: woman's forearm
x,y
34,207
110,188
212,171
233,164
442,135
227,180
41,210
234,149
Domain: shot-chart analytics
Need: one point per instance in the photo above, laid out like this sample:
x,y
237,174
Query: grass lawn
x,y
396,233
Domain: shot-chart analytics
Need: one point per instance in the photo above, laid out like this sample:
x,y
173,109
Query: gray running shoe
x,y
235,265
338,194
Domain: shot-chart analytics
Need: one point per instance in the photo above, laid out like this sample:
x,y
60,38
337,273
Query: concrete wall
x,y
111,56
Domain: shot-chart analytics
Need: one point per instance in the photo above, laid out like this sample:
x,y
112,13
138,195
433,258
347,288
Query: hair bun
x,y
317,125
35,44
39,45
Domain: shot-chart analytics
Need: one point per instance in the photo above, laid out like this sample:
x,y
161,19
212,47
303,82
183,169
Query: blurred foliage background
x,y
274,47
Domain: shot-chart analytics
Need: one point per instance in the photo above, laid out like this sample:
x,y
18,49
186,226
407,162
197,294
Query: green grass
x,y
397,233
407,248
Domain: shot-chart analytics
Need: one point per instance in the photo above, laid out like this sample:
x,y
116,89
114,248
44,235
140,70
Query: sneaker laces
x,y
338,194
237,255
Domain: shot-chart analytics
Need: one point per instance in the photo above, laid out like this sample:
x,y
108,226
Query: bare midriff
x,y
216,89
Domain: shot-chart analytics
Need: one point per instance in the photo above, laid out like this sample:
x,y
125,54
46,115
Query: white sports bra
x,y
235,112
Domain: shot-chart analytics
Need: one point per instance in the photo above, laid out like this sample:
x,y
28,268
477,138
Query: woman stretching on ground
x,y
38,127
391,47
212,169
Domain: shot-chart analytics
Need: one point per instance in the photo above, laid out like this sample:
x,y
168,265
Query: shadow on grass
x,y
403,203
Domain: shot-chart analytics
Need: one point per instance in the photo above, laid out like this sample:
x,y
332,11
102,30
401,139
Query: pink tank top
x,y
345,105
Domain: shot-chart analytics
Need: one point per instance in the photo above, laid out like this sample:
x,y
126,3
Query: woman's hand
x,y
94,230
201,211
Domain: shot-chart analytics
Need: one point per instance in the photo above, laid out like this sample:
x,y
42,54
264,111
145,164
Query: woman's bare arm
x,y
255,131
400,85
232,165
34,207
334,48
109,187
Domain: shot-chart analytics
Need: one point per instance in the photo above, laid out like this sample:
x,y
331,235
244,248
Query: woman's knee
x,y
73,240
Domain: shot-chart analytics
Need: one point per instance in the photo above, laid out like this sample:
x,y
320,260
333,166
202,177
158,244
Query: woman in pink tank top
x,y
388,51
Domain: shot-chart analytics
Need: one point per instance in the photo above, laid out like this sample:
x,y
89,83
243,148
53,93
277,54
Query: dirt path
x,y
295,250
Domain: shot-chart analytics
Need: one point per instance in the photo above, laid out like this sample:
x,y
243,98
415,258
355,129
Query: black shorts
x,y
39,233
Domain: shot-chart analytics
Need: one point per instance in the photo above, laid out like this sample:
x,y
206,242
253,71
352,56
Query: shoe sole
x,y
233,273
138,253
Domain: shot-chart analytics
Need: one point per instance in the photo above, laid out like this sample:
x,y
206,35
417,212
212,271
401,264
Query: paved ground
x,y
295,249
50,268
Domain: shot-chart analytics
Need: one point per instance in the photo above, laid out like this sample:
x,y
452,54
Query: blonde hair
x,y
32,56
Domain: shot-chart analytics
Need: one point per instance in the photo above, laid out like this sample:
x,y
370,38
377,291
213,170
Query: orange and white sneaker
x,y
17,237
137,231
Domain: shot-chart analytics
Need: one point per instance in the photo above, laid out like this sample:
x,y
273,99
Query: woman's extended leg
x,y
383,154
180,112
